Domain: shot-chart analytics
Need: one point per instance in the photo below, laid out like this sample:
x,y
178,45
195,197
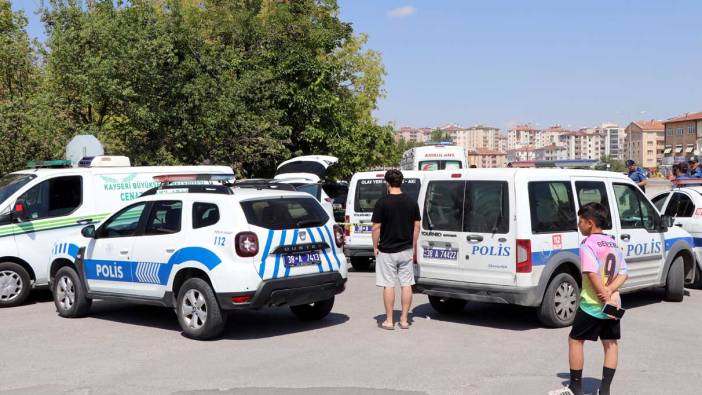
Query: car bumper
x,y
351,251
290,291
525,296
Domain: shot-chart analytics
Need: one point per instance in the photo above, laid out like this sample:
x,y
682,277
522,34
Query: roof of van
x,y
534,172
381,173
239,194
120,170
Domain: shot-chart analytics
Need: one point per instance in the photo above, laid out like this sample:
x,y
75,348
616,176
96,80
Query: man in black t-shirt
x,y
395,232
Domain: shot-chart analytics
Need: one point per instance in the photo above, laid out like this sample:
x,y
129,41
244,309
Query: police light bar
x,y
687,181
166,178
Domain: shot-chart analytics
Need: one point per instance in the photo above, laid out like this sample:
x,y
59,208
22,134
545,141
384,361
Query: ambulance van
x,y
434,157
52,202
511,236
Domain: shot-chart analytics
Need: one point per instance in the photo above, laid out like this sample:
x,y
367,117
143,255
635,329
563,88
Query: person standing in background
x,y
637,175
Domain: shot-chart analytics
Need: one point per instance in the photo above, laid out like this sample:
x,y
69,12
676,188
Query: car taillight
x,y
242,298
347,225
339,237
523,256
246,244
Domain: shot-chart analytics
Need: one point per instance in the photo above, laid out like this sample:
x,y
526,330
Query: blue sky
x,y
499,62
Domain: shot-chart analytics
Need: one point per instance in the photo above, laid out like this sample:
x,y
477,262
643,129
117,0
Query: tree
x,y
247,83
440,135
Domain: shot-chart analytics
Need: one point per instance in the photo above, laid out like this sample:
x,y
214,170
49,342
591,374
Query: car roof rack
x,y
217,183
264,183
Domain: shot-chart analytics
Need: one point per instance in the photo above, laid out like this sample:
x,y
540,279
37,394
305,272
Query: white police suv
x,y
511,236
684,204
203,250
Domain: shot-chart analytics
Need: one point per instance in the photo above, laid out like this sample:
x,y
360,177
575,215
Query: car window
x,y
659,201
124,223
452,164
429,165
486,207
552,207
311,189
634,209
164,218
284,213
594,192
680,206
368,191
205,214
11,183
443,206
55,197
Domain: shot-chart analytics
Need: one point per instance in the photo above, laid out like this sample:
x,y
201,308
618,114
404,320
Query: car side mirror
x,y
88,231
667,221
19,211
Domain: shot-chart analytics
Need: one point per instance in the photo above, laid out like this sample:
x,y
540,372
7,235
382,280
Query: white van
x,y
40,206
365,189
434,157
511,236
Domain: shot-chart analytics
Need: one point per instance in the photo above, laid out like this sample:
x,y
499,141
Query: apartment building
x,y
645,141
551,152
683,137
487,158
476,137
416,135
613,140
522,136
586,143
520,154
502,143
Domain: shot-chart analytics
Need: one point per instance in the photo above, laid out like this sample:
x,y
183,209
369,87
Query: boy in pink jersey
x,y
604,271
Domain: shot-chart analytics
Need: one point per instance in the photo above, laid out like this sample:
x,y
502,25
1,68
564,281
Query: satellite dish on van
x,y
81,146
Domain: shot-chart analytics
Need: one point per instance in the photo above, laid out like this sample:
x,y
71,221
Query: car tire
x,y
313,311
198,311
360,263
560,302
446,305
698,277
69,295
15,284
675,281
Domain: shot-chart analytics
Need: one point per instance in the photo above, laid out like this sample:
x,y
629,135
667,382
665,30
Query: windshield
x,y
429,165
284,213
369,191
11,183
312,189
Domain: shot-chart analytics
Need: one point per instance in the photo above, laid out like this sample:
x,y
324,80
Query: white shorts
x,y
393,269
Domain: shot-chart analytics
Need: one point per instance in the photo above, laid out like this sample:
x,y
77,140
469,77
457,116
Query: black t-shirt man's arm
x,y
376,219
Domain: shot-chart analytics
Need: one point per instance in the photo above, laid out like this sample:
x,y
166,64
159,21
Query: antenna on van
x,y
190,179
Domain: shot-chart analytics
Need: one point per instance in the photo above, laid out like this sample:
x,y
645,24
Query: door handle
x,y
680,225
85,221
124,252
170,250
474,238
625,237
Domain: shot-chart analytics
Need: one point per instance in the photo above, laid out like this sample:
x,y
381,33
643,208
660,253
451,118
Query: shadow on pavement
x,y
645,298
241,325
395,317
39,296
499,316
590,384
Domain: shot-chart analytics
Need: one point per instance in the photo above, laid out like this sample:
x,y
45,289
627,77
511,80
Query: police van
x,y
365,189
434,157
204,250
53,200
511,236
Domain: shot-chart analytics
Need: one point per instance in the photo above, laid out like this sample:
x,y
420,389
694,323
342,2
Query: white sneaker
x,y
562,391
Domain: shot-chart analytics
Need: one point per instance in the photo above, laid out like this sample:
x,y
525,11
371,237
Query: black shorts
x,y
587,327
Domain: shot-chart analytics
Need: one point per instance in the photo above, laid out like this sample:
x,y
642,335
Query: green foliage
x,y
614,164
247,83
440,135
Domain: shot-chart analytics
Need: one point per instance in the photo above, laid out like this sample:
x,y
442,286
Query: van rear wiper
x,y
306,222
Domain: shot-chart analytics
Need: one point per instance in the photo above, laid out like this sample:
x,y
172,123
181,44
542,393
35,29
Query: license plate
x,y
362,228
310,258
449,254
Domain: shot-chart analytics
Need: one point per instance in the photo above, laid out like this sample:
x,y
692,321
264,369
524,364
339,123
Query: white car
x,y
308,174
54,201
511,236
204,250
684,204
365,189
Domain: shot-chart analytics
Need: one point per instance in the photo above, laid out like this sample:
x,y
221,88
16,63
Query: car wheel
x,y
360,263
675,282
447,305
69,296
15,284
198,312
698,278
313,311
560,302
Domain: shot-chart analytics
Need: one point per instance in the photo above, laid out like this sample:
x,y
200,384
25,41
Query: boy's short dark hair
x,y
594,212
394,178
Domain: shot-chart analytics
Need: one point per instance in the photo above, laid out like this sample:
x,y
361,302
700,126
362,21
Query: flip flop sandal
x,y
386,327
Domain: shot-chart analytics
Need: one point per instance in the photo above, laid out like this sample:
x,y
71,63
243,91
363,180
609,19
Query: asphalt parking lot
x,y
488,349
